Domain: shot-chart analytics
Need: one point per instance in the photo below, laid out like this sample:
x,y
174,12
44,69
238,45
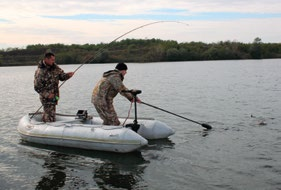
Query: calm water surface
x,y
235,97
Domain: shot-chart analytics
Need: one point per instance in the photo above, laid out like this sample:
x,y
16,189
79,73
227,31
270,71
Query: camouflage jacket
x,y
109,86
46,80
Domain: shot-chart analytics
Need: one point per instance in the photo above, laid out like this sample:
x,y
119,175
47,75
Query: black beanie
x,y
121,66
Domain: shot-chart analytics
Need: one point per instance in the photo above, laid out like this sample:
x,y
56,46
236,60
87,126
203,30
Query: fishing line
x,y
90,58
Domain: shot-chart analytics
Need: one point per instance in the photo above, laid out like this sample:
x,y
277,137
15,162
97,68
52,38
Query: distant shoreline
x,y
142,51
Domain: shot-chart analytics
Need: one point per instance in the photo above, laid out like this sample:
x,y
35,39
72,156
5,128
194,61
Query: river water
x,y
239,99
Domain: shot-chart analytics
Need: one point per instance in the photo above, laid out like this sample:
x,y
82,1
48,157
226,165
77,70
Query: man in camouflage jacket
x,y
46,83
106,89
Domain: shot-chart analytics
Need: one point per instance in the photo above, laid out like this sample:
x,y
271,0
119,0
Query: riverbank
x,y
141,51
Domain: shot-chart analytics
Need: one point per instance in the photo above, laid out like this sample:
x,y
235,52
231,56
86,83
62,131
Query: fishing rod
x,y
90,58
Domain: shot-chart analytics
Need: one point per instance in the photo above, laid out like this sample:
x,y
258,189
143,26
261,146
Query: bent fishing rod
x,y
90,58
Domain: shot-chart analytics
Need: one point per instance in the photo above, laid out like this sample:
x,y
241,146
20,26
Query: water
x,y
234,97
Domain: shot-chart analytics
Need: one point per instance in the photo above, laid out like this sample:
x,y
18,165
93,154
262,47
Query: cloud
x,y
92,21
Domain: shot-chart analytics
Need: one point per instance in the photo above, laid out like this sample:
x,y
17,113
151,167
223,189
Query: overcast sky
x,y
25,22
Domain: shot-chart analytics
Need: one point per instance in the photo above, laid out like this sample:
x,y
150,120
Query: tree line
x,y
141,50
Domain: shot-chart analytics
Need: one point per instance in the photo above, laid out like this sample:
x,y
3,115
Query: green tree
x,y
173,54
255,49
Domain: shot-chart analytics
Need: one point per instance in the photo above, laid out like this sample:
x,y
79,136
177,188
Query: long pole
x,y
207,126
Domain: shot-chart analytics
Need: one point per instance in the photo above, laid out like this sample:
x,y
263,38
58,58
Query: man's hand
x,y
70,74
138,100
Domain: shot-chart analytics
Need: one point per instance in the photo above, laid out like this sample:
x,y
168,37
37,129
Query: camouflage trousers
x,y
107,113
49,109
49,114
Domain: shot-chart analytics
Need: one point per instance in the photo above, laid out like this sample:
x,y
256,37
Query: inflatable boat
x,y
87,132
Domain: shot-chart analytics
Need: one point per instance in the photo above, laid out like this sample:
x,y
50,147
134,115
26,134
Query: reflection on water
x,y
55,177
114,175
108,169
160,144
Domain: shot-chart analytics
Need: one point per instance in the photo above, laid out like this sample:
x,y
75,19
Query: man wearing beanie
x,y
106,89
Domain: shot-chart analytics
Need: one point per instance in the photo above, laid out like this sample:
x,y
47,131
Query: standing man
x,y
106,89
46,83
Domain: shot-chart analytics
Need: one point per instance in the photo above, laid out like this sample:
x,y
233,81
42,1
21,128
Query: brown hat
x,y
121,66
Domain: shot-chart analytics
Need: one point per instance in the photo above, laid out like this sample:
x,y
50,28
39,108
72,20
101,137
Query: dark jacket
x,y
46,80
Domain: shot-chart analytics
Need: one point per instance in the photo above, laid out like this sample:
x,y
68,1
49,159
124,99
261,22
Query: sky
x,y
29,22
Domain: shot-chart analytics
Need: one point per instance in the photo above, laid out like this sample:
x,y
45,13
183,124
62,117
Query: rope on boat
x,y
128,114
